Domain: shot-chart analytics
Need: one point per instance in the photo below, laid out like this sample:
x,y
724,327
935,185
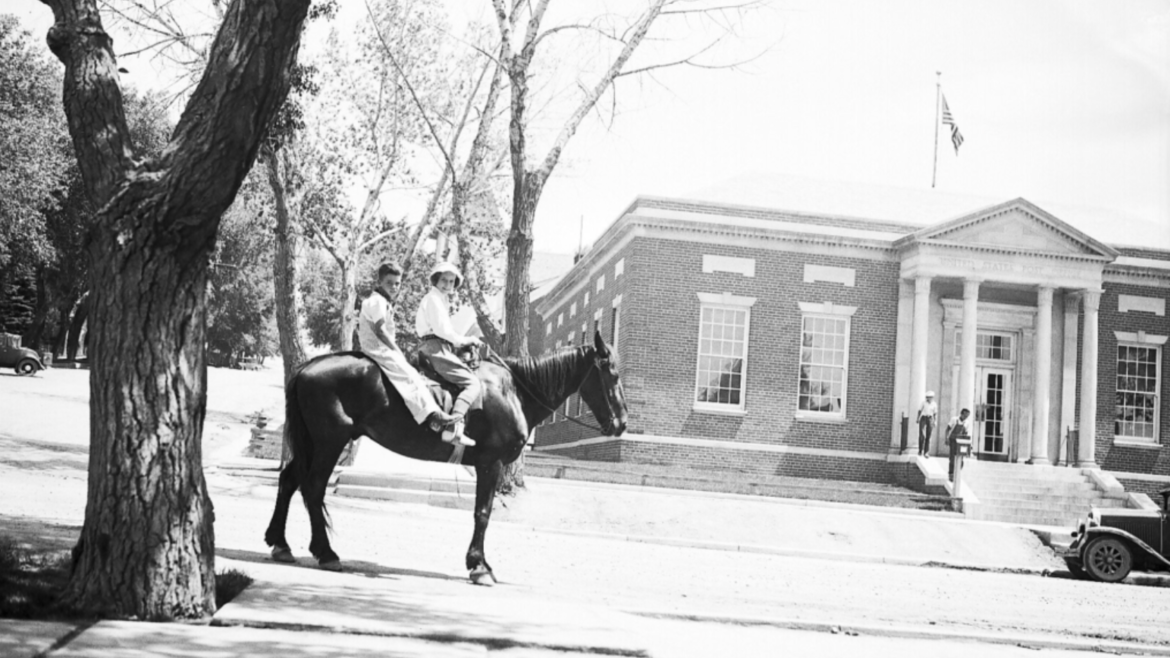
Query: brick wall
x,y
659,343
1120,457
1148,487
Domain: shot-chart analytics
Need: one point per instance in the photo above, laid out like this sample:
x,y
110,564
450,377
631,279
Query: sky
x,y
1063,102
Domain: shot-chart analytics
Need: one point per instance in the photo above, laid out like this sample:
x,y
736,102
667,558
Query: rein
x,y
495,358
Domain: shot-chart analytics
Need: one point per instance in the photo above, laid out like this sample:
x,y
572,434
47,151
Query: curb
x,y
1025,640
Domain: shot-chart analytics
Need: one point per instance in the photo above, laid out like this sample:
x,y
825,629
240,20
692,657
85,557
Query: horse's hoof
x,y
483,577
334,565
282,555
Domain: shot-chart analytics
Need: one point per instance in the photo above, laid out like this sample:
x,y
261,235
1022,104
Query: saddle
x,y
444,391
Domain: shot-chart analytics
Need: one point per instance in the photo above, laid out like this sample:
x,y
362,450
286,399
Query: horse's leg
x,y
274,536
487,477
313,492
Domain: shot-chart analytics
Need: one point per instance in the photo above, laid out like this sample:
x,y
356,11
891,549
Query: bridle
x,y
598,362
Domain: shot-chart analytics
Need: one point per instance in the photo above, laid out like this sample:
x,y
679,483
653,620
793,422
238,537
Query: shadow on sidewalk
x,y
351,567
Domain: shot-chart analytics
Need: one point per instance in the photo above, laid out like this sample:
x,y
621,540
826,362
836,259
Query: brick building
x,y
794,342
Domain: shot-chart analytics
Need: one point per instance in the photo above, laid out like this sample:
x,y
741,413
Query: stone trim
x,y
724,445
731,264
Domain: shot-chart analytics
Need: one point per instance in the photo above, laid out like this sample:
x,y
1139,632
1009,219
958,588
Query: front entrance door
x,y
993,404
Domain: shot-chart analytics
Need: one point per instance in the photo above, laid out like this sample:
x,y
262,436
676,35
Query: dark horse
x,y
335,398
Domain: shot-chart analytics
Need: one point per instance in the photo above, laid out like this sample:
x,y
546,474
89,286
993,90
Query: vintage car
x,y
12,355
1113,541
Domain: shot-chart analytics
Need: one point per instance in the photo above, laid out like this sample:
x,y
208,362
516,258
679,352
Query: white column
x,y
1068,397
1043,378
967,350
918,357
1088,425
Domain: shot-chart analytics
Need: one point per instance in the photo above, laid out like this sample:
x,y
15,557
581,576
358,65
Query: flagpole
x,y
937,96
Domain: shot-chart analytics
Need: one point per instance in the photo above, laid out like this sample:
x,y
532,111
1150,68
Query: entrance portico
x,y
976,313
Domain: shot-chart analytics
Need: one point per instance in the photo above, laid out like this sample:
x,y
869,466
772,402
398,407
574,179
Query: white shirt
x,y
434,317
376,308
929,408
965,423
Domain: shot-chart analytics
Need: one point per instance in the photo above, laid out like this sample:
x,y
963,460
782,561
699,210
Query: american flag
x,y
949,119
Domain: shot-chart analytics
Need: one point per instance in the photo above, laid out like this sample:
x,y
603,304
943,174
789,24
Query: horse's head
x,y
602,390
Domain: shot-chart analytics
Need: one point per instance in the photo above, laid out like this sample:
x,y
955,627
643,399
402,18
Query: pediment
x,y
1017,226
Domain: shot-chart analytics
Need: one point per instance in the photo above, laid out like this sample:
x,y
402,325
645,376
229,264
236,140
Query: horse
x,y
335,398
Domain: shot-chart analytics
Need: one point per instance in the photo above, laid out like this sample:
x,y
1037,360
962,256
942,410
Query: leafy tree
x,y
147,546
363,135
33,145
240,299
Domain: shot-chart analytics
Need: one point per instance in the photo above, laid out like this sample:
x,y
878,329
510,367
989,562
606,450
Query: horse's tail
x,y
296,432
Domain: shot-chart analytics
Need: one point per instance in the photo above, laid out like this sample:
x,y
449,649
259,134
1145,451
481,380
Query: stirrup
x,y
454,434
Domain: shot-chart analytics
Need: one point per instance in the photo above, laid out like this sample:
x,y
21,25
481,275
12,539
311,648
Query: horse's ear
x,y
599,343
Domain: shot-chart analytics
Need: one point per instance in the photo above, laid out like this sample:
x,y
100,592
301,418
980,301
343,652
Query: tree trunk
x,y
33,336
348,304
516,288
75,326
67,304
288,312
147,547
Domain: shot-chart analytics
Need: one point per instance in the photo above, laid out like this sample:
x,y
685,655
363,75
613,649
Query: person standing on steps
x,y
927,419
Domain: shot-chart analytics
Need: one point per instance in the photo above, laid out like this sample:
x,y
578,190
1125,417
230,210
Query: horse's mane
x,y
551,374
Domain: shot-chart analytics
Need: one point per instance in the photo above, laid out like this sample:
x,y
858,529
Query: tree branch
x,y
639,32
245,86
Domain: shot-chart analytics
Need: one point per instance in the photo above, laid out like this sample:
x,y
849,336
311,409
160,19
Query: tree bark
x,y
147,546
80,316
288,312
348,303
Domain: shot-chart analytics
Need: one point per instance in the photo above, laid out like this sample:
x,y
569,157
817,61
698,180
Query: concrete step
x,y
432,498
1054,506
1020,487
1022,471
1078,496
398,481
1086,498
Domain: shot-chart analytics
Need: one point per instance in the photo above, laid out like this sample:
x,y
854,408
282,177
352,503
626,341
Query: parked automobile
x,y
1113,541
12,355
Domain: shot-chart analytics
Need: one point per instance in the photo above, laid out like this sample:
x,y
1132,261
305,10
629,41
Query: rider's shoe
x,y
454,433
439,420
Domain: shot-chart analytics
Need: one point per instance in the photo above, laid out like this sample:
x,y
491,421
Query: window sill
x,y
1126,442
835,419
719,411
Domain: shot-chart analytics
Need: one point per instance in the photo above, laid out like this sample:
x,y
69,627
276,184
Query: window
x,y
824,360
586,304
613,328
548,329
560,319
573,309
619,269
988,346
720,377
1138,389
601,283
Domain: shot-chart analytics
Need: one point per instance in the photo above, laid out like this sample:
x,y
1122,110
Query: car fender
x,y
1099,530
35,357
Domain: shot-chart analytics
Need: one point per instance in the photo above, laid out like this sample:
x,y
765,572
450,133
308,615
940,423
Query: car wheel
x,y
27,367
1108,559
